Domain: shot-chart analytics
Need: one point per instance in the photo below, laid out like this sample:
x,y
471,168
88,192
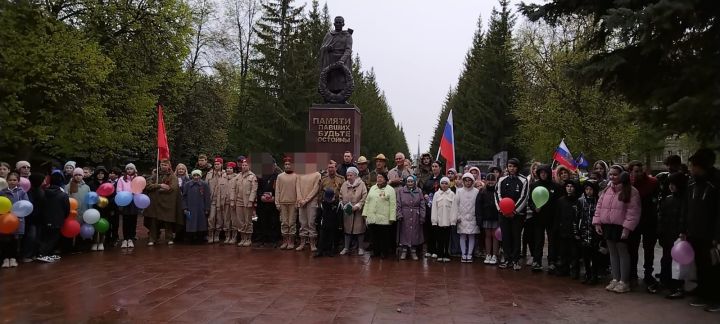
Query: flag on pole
x,y
564,157
162,142
581,162
447,143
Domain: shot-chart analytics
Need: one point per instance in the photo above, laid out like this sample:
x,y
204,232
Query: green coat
x,y
380,205
165,205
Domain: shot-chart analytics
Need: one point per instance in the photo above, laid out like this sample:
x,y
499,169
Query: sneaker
x,y
27,260
403,255
94,247
713,308
504,265
653,288
517,266
101,247
697,302
361,252
487,259
621,287
414,256
171,242
344,251
611,285
470,259
676,294
13,263
124,244
493,260
427,255
537,267
45,258
131,244
434,256
6,263
150,243
463,259
55,257
529,261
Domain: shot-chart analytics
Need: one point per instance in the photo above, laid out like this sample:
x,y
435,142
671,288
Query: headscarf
x,y
352,170
196,171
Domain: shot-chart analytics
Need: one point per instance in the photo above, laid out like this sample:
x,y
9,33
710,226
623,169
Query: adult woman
x,y
430,186
616,215
411,215
181,172
601,168
380,211
353,193
164,212
4,169
196,205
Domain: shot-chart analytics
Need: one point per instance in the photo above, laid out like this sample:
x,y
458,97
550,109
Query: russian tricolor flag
x,y
447,143
564,157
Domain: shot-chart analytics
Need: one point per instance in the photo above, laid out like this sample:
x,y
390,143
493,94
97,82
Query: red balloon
x,y
507,207
71,228
105,189
9,223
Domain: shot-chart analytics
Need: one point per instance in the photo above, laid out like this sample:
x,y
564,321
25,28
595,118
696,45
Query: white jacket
x,y
463,209
442,208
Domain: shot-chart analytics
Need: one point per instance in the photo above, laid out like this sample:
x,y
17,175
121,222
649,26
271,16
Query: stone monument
x,y
334,126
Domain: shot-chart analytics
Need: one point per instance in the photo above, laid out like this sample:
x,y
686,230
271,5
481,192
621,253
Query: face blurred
x,y
614,176
589,191
435,169
696,171
331,169
496,173
350,177
165,167
570,189
380,180
347,157
425,160
444,186
512,169
12,180
468,183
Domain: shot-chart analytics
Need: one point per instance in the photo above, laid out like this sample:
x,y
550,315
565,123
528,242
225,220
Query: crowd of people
x,y
591,226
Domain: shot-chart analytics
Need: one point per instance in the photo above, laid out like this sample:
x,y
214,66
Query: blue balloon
x,y
92,198
141,201
22,208
123,198
87,231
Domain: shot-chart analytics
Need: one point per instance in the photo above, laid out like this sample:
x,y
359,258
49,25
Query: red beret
x,y
218,160
232,165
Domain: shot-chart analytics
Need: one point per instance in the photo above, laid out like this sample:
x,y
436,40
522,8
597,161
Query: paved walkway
x,y
226,284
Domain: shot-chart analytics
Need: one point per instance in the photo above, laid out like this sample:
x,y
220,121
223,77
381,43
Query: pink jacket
x,y
610,210
123,185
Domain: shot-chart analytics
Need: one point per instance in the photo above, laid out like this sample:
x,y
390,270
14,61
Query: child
x,y
670,221
566,232
56,209
487,216
463,211
78,189
130,212
98,178
442,217
589,239
196,204
228,210
9,242
328,221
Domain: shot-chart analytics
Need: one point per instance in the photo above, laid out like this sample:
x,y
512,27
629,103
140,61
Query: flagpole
x,y
157,167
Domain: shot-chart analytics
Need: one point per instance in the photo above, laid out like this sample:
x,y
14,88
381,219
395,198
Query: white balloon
x,y
22,208
91,216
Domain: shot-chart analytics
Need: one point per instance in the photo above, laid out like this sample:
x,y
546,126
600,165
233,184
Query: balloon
x,y
102,202
5,205
91,198
22,208
73,204
498,234
540,196
507,207
141,201
71,228
682,252
87,231
73,214
123,198
9,223
91,216
102,225
105,189
138,185
24,184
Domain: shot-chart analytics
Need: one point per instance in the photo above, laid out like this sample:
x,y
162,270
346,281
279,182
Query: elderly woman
x,y
411,217
380,211
353,193
196,206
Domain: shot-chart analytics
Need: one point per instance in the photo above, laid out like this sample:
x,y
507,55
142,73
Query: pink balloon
x,y
498,234
138,185
683,253
24,184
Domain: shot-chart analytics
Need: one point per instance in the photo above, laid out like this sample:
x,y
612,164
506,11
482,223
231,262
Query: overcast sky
x,y
417,48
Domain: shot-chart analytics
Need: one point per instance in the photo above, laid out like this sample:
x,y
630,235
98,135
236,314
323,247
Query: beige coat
x,y
218,187
230,188
354,194
246,185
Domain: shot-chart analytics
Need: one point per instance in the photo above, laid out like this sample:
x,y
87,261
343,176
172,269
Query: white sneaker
x,y
94,247
446,259
344,251
131,244
487,259
124,244
101,247
427,255
434,256
611,285
55,257
150,243
493,260
45,258
6,263
361,252
13,263
621,287
171,242
529,261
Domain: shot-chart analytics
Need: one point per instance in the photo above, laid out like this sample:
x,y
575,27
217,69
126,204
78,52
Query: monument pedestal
x,y
334,129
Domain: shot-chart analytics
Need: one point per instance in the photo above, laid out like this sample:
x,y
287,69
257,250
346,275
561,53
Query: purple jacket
x,y
16,194
610,210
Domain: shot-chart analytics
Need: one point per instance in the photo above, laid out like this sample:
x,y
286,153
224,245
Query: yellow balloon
x,y
5,205
102,202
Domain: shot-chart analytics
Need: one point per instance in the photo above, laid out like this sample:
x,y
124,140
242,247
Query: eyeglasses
x,y
24,167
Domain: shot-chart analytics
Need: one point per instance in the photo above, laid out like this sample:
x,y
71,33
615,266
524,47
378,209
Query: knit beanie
x,y
196,172
445,180
70,163
79,171
352,170
21,164
130,166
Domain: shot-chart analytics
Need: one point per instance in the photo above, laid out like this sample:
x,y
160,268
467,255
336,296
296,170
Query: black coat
x,y
329,216
566,223
57,207
702,209
548,211
485,209
670,218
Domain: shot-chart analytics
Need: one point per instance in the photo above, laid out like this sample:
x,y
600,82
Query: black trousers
x,y
8,246
648,235
129,227
381,237
708,276
667,242
428,232
528,236
543,225
568,253
28,244
112,233
326,239
511,230
48,239
442,237
591,257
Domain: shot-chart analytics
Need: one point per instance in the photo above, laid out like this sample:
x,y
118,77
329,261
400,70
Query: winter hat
x,y
219,160
592,184
468,175
329,195
352,170
231,165
513,161
3,184
70,163
240,158
130,166
445,180
21,164
79,171
452,170
196,171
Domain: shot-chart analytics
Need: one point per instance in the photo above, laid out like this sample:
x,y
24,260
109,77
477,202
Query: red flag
x,y
162,143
